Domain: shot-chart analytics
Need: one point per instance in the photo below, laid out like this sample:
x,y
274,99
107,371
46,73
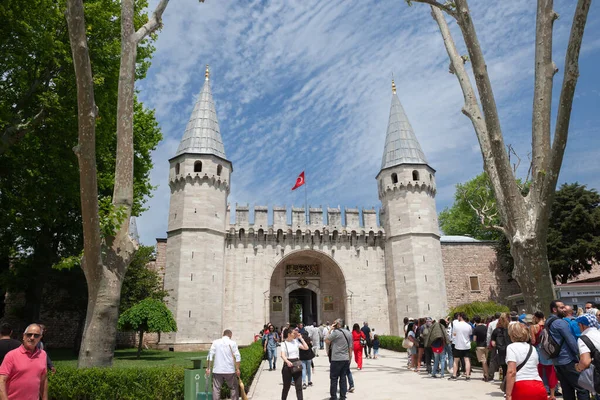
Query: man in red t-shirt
x,y
23,371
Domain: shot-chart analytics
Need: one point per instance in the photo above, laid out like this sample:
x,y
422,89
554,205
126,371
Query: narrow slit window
x,y
415,175
198,166
394,178
219,169
474,283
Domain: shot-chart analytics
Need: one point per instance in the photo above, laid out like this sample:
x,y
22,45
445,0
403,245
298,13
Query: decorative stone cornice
x,y
412,186
197,179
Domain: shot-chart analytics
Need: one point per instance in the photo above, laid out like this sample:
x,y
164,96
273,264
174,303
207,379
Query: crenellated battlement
x,y
179,182
360,227
411,186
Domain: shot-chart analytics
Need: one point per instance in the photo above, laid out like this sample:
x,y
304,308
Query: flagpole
x,y
306,213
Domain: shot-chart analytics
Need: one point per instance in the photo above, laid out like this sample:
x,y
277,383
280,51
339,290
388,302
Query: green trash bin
x,y
197,385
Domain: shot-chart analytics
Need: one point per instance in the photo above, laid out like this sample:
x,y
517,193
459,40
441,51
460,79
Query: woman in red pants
x,y
357,337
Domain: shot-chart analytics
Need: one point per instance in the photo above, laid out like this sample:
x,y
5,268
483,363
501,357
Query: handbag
x,y
296,364
407,344
503,384
363,342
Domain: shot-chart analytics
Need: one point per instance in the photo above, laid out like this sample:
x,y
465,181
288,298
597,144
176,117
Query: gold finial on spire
x,y
207,73
393,87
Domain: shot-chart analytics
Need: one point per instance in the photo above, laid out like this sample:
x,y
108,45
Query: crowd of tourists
x,y
532,355
300,344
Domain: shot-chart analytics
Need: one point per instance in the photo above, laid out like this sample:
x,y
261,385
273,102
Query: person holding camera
x,y
340,351
292,366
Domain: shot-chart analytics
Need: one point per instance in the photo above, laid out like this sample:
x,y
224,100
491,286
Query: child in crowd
x,y
375,346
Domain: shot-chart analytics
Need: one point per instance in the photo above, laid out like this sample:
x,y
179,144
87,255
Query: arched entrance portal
x,y
307,286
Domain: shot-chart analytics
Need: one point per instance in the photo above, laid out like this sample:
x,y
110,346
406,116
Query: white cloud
x,y
307,85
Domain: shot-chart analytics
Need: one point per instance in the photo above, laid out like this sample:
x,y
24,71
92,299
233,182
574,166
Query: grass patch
x,y
127,358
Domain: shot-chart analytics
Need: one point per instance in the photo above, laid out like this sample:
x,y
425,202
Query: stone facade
x,y
314,265
473,273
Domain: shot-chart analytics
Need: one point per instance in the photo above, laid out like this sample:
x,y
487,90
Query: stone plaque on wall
x,y
277,303
328,303
302,270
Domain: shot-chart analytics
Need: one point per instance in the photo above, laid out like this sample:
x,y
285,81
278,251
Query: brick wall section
x,y
462,260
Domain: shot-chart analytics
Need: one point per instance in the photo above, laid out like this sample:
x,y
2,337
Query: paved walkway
x,y
382,379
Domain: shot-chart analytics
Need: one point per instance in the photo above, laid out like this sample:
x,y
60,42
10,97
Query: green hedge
x,y
391,343
395,343
160,383
481,308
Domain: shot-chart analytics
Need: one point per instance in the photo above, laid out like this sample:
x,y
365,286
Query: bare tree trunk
x,y
140,344
524,219
105,263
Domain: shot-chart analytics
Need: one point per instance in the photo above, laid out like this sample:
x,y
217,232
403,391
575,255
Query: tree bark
x,y
140,344
525,219
105,261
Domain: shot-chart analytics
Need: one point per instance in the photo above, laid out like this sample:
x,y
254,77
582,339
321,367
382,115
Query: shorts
x,y
481,354
456,353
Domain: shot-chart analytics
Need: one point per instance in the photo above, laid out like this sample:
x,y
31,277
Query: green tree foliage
x,y
40,218
461,218
481,308
573,233
140,281
149,315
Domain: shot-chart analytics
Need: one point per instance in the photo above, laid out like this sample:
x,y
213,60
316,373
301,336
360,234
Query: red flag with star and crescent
x,y
299,181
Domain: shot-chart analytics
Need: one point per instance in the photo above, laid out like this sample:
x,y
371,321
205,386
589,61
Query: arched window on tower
x,y
219,169
198,166
177,169
394,178
415,175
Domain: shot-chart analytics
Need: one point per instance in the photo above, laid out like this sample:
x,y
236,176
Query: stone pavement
x,y
382,379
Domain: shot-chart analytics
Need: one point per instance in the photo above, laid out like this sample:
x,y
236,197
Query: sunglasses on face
x,y
34,335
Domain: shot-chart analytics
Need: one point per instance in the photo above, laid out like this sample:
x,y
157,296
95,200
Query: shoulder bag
x,y
296,364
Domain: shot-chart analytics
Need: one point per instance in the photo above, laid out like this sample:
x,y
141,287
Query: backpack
x,y
547,344
595,354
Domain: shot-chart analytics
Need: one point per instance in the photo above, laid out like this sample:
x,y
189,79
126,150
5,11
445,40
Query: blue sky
x,y
306,85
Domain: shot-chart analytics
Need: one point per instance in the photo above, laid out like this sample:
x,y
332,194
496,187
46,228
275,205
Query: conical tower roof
x,y
202,134
401,145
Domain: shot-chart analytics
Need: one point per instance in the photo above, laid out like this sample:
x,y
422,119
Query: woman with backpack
x,y
523,381
499,342
359,340
545,366
306,357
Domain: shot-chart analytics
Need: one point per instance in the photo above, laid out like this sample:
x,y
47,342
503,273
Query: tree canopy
x,y
573,233
149,315
141,282
40,212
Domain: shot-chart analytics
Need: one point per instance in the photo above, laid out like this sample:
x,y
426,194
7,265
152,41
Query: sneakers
x,y
453,378
309,383
467,378
351,390
304,386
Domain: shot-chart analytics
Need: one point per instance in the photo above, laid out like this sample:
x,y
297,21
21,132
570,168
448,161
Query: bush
x,y
391,343
483,309
160,383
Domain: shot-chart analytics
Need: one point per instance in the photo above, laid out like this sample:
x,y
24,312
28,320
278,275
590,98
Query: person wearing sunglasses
x,y
23,373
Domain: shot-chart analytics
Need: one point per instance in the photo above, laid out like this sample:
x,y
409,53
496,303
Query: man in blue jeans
x,y
569,352
339,341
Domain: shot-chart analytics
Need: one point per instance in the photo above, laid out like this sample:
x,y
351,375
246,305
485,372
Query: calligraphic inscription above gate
x,y
302,270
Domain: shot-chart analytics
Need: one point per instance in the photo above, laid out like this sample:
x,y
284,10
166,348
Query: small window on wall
x,y
198,166
394,178
219,169
415,175
474,283
177,169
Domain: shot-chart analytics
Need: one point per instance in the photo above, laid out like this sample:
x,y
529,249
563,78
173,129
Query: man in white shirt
x,y
461,332
226,360
588,324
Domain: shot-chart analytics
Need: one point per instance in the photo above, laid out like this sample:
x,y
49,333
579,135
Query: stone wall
x,y
463,260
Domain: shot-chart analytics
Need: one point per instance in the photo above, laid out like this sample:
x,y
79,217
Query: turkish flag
x,y
299,181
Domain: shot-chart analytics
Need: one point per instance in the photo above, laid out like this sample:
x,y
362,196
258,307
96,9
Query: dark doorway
x,y
303,306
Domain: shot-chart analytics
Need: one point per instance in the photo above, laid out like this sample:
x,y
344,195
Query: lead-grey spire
x,y
401,145
202,134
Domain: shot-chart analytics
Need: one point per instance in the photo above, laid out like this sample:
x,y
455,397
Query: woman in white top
x,y
290,354
523,380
